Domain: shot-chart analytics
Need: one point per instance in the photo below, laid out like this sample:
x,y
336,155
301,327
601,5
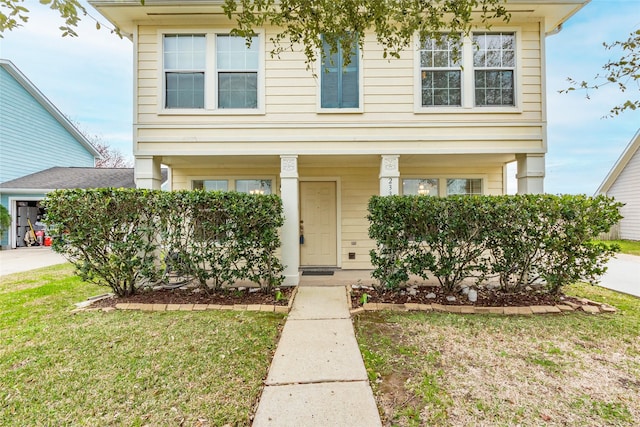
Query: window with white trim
x,y
184,70
211,185
237,70
441,72
210,71
253,186
340,82
494,63
464,186
248,186
477,73
420,186
442,186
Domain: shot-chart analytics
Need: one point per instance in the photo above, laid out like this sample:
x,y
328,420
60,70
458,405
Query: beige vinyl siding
x,y
356,185
291,93
626,189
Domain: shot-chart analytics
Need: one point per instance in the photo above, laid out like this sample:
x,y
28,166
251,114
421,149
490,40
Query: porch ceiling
x,y
406,160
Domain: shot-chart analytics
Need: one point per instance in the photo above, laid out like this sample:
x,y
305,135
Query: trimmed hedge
x,y
128,238
520,240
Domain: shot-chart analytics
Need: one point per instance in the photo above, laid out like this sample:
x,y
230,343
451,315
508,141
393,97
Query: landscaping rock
x,y
451,298
472,295
431,295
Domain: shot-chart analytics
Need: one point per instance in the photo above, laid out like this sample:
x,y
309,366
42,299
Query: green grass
x,y
630,247
124,368
576,369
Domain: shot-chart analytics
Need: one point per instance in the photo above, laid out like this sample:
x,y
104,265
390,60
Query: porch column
x,y
291,228
148,173
531,171
389,175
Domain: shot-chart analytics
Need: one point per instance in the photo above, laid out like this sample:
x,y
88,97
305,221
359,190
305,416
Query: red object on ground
x,y
47,241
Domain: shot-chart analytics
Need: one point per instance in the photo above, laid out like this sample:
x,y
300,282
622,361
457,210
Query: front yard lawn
x,y
440,369
630,247
124,368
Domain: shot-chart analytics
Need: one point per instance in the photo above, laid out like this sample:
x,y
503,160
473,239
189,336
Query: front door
x,y
318,223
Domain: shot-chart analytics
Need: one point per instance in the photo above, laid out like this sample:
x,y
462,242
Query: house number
x,y
390,186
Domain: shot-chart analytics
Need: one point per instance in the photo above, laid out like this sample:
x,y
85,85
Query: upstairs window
x,y
494,62
212,71
184,70
237,68
441,72
340,83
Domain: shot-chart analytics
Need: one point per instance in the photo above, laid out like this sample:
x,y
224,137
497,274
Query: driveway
x,y
25,259
623,274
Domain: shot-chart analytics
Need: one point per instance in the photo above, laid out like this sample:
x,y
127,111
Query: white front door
x,y
318,223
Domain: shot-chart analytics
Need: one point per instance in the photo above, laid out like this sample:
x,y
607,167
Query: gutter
x,y
25,191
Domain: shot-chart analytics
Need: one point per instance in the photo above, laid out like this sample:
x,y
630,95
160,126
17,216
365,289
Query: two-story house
x,y
224,116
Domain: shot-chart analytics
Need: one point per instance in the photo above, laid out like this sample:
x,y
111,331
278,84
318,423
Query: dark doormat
x,y
317,272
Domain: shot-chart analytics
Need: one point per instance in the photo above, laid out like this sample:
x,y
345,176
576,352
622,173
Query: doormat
x,y
317,272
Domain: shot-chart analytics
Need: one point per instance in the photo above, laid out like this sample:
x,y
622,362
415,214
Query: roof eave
x,y
620,164
126,14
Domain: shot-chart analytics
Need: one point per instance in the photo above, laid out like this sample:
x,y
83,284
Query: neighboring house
x,y
34,135
23,195
225,116
623,183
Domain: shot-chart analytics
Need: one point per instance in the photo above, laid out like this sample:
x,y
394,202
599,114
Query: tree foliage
x,y
303,22
394,22
14,14
623,72
111,157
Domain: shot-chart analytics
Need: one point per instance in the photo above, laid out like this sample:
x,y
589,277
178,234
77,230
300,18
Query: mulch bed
x,y
486,298
188,296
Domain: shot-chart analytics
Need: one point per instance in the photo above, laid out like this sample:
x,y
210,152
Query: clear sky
x,y
89,78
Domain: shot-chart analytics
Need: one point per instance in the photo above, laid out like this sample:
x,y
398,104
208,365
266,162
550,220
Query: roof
x,y
72,177
10,68
127,14
620,164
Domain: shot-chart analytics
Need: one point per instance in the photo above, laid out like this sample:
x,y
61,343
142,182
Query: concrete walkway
x,y
25,259
317,376
623,274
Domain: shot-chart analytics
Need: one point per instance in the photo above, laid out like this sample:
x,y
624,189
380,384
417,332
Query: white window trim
x,y
231,180
210,76
442,180
319,109
468,86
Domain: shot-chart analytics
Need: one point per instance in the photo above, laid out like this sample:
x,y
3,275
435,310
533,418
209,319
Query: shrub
x,y
518,239
127,238
108,234
5,221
